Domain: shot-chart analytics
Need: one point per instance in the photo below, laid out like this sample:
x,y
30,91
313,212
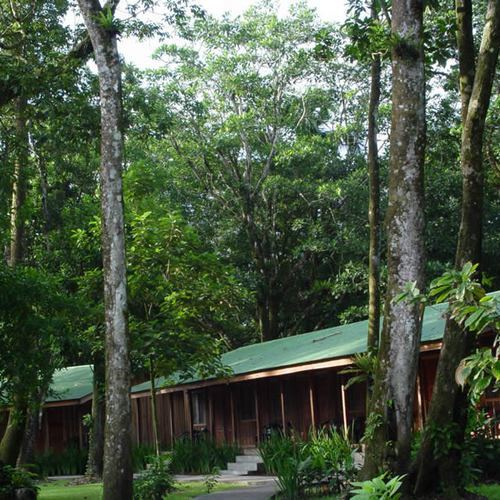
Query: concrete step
x,y
249,459
244,465
250,451
229,473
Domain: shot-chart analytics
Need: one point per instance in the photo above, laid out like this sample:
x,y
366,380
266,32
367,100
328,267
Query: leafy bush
x,y
481,449
140,456
276,450
210,480
69,462
324,463
201,455
378,489
73,460
12,479
156,481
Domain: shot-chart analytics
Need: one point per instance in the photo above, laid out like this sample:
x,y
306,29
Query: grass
x,y
192,490
56,490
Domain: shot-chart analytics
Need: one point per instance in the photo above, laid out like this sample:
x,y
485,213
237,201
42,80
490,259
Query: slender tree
x,y
117,469
374,199
391,409
449,403
96,434
12,439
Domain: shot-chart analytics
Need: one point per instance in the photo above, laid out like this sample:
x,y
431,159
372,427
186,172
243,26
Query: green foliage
x,y
156,481
362,369
34,324
322,463
276,450
265,171
444,438
474,311
201,455
107,20
373,422
13,478
210,480
377,488
481,449
141,455
68,462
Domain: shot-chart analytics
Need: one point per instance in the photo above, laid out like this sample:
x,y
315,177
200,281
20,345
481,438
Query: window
x,y
247,403
198,408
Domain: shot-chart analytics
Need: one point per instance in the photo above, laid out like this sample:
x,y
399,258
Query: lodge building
x,y
292,383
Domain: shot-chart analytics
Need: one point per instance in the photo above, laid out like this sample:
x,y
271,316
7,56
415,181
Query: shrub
x,y
71,461
12,479
378,489
141,454
324,463
156,481
481,449
201,455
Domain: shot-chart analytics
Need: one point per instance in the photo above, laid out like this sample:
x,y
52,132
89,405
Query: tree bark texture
x,y
374,203
19,184
31,427
449,402
14,432
117,469
154,413
96,438
391,408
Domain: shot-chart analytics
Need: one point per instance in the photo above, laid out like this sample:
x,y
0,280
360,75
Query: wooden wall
x,y
243,410
62,426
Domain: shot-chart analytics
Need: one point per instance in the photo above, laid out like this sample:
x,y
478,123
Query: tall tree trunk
x,y
154,413
32,425
391,409
96,438
14,432
372,340
117,470
12,439
374,210
19,185
449,402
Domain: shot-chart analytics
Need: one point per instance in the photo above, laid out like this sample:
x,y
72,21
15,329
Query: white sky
x,y
139,53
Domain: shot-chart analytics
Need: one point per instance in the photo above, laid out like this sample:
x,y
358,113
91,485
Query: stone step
x,y
229,473
249,459
243,467
250,451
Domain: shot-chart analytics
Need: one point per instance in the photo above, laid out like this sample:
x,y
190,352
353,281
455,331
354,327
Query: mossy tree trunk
x,y
448,409
32,425
391,408
154,412
117,468
12,439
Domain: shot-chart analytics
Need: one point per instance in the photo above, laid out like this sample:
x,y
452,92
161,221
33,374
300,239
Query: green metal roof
x,y
336,342
73,382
